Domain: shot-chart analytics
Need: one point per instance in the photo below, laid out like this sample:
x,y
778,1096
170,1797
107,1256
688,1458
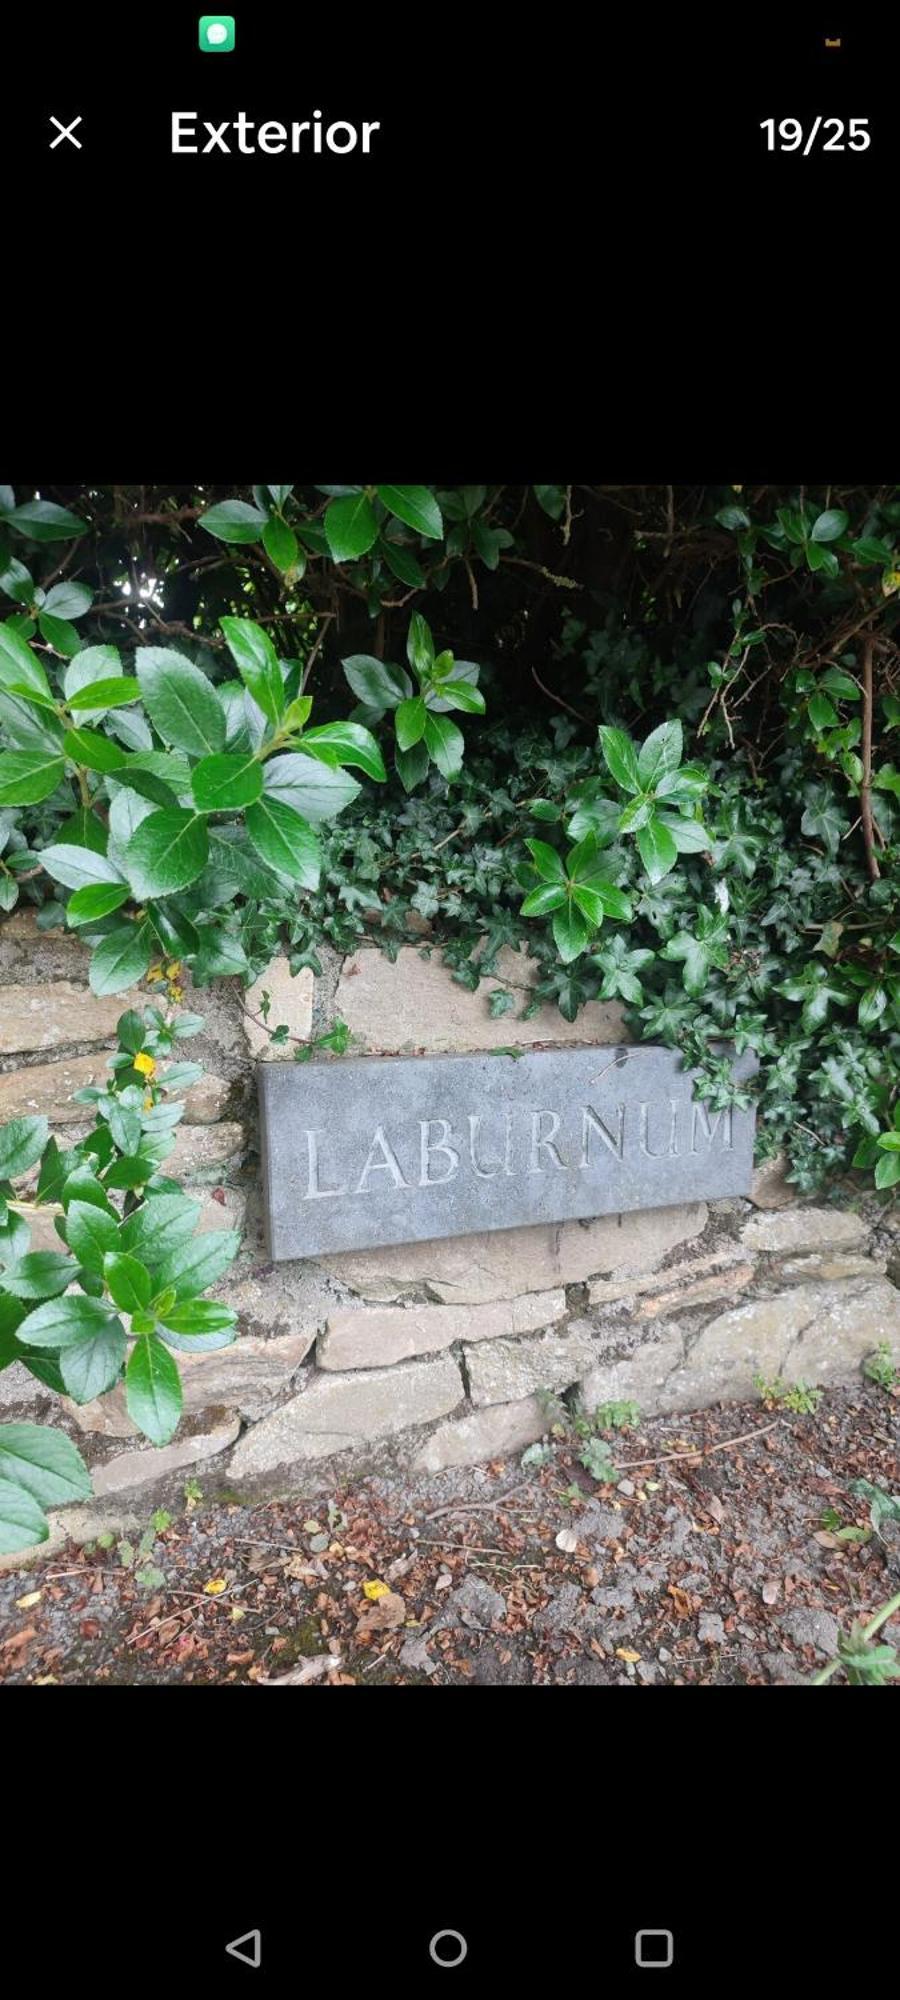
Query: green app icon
x,y
216,33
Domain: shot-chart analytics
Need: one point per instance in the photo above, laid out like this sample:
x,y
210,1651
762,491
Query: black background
x,y
569,258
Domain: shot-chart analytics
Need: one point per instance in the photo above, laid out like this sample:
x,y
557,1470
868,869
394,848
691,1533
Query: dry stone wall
x,y
425,1355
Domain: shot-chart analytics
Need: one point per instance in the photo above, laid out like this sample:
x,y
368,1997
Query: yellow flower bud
x,y
144,1064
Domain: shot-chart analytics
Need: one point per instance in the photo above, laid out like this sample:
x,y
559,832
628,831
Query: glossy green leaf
x,y
409,722
128,1281
78,867
182,704
620,757
284,839
547,861
168,852
315,790
23,1523
660,754
416,507
194,1266
542,901
571,933
830,525
199,1316
43,521
27,776
234,521
59,634
657,849
93,751
99,695
350,743
445,744
226,783
91,904
120,959
351,528
60,1322
153,1389
22,1141
90,1233
40,1274
281,546
157,1228
376,682
68,600
257,663
92,1365
19,666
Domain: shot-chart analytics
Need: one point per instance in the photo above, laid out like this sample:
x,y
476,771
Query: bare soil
x,y
724,1564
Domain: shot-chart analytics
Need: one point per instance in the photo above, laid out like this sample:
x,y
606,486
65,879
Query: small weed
x,y
796,1396
880,1367
882,1506
596,1458
617,1417
865,1664
193,1494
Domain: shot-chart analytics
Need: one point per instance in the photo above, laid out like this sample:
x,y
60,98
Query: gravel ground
x,y
718,1556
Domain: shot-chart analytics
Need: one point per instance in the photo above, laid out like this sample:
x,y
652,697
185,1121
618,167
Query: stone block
x,y
378,1336
46,1089
59,1014
201,1151
492,1432
507,1262
336,1412
379,1150
640,1377
291,997
505,1371
415,1003
769,1187
688,1271
251,1371
796,1229
131,1470
824,1268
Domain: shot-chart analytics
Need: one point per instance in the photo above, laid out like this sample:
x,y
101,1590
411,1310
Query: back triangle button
x,y
247,1948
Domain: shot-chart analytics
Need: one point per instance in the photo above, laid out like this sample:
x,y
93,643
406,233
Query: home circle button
x,y
448,1948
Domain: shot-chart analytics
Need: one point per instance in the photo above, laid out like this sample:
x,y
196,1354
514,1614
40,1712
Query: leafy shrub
x,y
132,1249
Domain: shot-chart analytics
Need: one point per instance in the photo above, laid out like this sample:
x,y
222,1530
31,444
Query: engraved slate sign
x,y
396,1149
